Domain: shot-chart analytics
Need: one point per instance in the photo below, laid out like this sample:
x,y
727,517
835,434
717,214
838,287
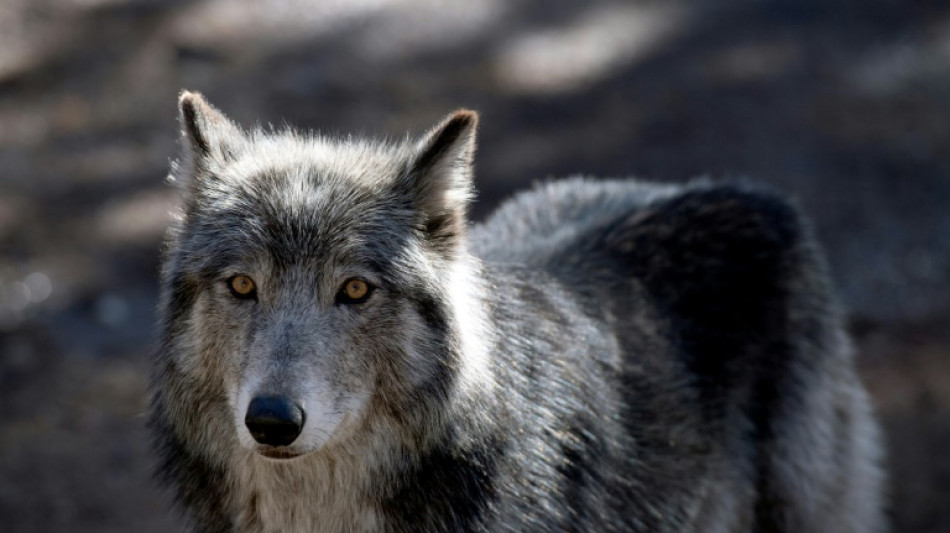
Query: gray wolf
x,y
341,350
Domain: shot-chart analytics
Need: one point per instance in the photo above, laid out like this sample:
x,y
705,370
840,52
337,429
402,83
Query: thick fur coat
x,y
596,356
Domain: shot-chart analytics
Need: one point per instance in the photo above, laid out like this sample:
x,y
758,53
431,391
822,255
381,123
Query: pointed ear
x,y
440,179
206,132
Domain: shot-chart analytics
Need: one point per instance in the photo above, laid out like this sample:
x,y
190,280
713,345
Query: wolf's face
x,y
312,279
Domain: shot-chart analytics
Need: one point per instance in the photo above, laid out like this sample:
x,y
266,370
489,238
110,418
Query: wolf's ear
x,y
206,132
440,179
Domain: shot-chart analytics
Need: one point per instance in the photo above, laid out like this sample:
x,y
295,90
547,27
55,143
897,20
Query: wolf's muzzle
x,y
274,420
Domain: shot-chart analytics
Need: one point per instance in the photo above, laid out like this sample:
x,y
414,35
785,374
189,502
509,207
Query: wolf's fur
x,y
597,356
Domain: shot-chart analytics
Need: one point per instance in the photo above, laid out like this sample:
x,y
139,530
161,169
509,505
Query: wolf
x,y
342,350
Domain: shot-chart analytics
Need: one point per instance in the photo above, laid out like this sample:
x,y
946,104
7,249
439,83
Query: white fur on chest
x,y
313,493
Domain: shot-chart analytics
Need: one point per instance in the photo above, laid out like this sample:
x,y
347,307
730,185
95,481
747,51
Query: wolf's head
x,y
314,287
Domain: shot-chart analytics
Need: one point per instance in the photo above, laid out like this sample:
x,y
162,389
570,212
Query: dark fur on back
x,y
657,358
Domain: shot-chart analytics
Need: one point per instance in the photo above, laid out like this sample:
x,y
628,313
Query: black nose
x,y
274,420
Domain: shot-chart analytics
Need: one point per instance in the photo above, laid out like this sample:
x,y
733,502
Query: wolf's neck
x,y
318,492
466,293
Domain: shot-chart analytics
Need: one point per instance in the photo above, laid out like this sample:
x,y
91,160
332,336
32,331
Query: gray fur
x,y
597,356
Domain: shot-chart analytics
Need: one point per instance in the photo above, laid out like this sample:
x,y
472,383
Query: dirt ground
x,y
843,104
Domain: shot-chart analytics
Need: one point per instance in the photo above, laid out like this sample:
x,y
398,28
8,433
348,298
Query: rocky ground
x,y
841,103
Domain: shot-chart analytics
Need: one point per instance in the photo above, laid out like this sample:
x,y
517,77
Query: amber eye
x,y
242,287
354,291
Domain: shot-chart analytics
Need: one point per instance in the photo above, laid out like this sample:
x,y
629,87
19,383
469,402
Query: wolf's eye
x,y
242,287
354,291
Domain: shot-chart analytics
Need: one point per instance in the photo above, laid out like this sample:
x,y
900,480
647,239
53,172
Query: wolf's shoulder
x,y
553,214
560,220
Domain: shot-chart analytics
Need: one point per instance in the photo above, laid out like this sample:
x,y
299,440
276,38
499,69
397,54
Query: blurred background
x,y
844,104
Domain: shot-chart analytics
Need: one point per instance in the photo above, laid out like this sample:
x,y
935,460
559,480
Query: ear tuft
x,y
453,137
206,131
188,103
440,179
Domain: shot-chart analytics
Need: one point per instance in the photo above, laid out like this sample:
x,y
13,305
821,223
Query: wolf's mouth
x,y
277,453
